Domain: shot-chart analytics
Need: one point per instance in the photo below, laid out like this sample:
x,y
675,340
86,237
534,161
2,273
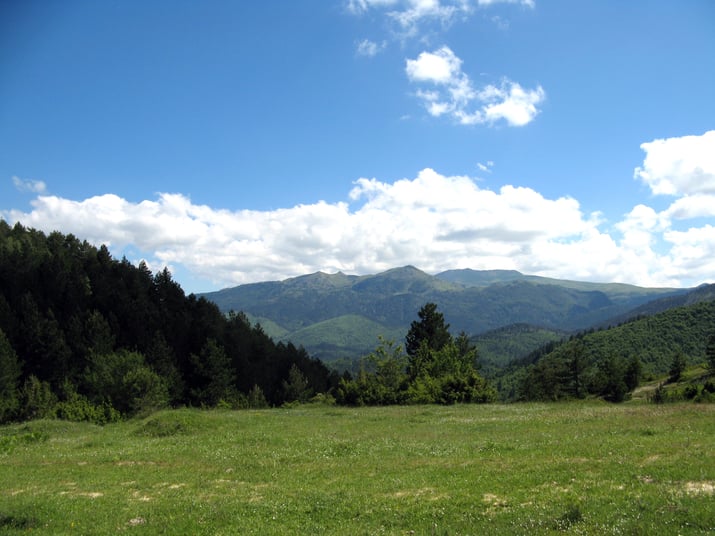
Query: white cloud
x,y
432,221
691,206
692,254
453,93
369,48
679,166
438,67
527,3
361,6
418,10
29,185
410,15
514,104
486,167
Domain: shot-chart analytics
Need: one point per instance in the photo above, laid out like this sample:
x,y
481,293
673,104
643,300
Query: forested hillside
x,y
609,362
84,335
499,347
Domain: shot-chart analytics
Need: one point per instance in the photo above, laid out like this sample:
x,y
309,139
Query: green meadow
x,y
576,468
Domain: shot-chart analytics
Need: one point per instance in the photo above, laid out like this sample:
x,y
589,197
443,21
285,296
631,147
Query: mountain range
x,y
338,316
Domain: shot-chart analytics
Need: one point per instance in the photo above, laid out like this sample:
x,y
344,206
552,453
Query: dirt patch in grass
x,y
91,494
429,494
699,488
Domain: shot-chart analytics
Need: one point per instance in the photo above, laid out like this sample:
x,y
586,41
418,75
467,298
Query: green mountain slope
x,y
499,347
346,336
471,301
653,340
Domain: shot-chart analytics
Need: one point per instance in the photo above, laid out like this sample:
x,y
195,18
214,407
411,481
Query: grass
x,y
579,468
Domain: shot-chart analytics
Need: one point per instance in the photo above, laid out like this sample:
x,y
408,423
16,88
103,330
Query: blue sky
x,y
245,141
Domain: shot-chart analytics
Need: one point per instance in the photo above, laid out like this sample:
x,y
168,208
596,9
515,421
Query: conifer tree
x,y
9,379
430,329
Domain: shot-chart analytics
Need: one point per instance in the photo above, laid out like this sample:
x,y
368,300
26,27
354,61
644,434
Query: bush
x,y
256,398
690,392
37,400
78,408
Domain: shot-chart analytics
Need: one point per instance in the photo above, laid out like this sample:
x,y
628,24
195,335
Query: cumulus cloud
x,y
29,185
432,221
679,166
452,93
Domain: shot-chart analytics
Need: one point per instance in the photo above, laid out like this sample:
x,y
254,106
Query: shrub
x,y
78,408
37,400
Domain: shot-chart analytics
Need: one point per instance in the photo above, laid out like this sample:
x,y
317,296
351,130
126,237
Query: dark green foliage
x,y
441,370
381,379
123,381
610,382
256,399
76,407
571,516
124,339
694,392
677,367
37,401
9,378
212,375
296,387
499,347
615,359
634,371
658,396
710,353
430,330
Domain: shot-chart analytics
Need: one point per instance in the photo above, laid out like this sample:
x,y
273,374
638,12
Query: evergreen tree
x,y
80,323
213,379
677,366
256,398
633,373
577,367
296,387
612,383
160,358
123,381
430,328
9,378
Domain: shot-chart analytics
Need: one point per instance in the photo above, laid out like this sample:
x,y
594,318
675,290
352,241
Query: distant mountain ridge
x,y
338,315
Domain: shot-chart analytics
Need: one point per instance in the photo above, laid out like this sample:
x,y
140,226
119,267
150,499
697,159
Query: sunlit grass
x,y
519,469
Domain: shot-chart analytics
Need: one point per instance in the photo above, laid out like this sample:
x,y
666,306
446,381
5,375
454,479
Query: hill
x,y
499,347
652,342
472,301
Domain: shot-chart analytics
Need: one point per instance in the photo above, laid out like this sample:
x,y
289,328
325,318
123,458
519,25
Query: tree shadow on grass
x,y
17,522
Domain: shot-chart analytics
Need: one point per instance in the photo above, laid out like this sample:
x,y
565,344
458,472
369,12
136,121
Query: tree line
x,y
84,336
89,337
610,363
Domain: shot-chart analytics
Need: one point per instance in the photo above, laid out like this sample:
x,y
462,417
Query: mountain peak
x,y
319,280
480,278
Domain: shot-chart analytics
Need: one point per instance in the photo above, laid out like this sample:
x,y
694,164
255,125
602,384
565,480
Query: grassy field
x,y
587,468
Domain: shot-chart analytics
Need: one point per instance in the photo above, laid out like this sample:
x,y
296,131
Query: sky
x,y
237,142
